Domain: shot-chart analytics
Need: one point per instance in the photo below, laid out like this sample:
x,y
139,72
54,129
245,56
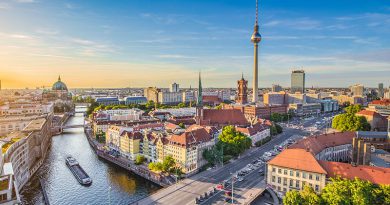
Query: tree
x,y
337,192
139,159
309,196
292,198
168,163
181,125
349,121
235,142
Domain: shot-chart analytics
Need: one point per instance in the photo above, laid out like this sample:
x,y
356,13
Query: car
x,y
240,179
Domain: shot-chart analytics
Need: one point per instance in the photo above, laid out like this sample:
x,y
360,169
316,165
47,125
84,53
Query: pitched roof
x,y
367,113
132,135
299,159
193,135
225,116
376,175
381,102
252,130
316,144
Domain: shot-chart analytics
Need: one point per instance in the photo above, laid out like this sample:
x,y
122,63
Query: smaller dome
x,y
59,85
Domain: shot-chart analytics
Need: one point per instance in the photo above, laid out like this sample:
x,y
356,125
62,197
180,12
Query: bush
x,y
263,141
139,159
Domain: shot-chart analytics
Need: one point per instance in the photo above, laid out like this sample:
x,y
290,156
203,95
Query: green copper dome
x,y
59,85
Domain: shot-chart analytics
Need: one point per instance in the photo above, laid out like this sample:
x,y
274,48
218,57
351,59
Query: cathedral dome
x,y
59,85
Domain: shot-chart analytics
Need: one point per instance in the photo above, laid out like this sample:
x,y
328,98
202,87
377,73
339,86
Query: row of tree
x,y
79,99
167,166
341,192
277,117
349,121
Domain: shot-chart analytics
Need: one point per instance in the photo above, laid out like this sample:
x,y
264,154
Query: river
x,y
111,184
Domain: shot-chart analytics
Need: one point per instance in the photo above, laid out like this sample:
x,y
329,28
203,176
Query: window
x,y
273,178
291,182
279,180
297,173
284,189
317,188
285,172
310,176
273,169
297,183
291,173
284,181
279,171
278,188
304,175
318,177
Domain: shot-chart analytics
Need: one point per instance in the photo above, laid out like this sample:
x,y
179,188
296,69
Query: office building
x,y
357,90
381,91
174,87
298,81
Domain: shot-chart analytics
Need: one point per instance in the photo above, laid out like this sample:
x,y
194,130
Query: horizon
x,y
154,43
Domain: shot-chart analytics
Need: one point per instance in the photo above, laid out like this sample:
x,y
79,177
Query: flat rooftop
x,y
34,125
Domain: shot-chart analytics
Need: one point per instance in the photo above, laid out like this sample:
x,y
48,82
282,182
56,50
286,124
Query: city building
x,y
133,114
108,100
357,90
364,142
174,88
380,106
296,98
376,121
353,100
170,97
294,168
305,109
329,105
335,146
381,91
256,132
298,81
151,93
275,98
276,88
9,193
255,38
135,100
242,87
26,149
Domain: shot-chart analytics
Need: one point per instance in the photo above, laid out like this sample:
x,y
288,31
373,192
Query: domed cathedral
x,y
60,95
59,85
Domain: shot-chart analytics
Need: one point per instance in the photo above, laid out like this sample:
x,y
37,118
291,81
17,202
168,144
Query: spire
x,y
59,78
242,75
257,12
199,100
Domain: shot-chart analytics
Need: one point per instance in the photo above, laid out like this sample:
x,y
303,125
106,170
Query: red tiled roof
x,y
316,144
211,98
193,135
376,175
381,102
299,159
221,117
171,126
252,130
367,113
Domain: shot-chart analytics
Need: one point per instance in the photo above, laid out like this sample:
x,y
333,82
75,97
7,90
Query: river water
x,y
111,184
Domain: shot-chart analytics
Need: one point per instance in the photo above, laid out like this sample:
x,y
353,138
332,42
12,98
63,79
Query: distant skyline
x,y
141,43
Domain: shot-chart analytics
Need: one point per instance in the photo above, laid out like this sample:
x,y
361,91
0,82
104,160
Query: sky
x,y
139,43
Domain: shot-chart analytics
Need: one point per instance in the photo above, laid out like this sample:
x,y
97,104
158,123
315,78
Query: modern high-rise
x,y
242,96
357,90
174,88
298,81
276,88
256,38
380,90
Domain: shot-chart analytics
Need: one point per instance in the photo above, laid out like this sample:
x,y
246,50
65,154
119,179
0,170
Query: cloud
x,y
4,6
47,32
299,23
175,56
25,1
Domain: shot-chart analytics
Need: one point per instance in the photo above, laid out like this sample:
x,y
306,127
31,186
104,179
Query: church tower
x,y
199,103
